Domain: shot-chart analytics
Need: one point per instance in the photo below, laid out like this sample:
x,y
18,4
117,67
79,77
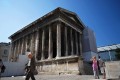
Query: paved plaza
x,y
55,77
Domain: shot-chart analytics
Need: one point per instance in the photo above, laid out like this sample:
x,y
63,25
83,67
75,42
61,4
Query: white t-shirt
x,y
29,62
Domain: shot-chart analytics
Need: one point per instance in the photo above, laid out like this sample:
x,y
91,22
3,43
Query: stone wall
x,y
112,69
15,68
59,66
88,68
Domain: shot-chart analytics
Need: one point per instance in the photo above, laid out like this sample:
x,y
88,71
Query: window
x,y
5,52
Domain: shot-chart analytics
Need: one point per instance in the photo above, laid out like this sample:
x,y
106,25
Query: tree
x,y
117,53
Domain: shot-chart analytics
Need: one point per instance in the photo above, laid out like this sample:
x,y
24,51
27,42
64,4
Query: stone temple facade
x,y
54,39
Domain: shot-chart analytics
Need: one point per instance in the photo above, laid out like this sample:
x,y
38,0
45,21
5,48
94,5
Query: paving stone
x,y
55,77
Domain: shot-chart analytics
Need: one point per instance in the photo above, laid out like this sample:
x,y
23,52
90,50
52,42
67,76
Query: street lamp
x,y
109,55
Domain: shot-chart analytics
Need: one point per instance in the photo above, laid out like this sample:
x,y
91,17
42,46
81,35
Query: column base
x,y
49,57
42,58
57,57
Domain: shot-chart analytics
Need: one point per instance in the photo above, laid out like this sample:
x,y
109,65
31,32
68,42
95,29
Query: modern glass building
x,y
107,53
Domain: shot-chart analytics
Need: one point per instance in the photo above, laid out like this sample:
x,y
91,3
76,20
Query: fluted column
x,y
15,50
71,36
20,46
10,51
18,52
43,44
9,55
76,41
80,44
31,43
66,42
12,47
58,40
26,41
22,43
50,50
36,44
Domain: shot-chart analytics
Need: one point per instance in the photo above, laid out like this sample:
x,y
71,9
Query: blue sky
x,y
102,16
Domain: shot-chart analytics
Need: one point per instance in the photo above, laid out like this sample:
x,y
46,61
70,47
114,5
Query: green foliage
x,y
117,53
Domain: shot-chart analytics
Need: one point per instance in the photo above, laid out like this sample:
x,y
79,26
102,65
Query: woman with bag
x,y
95,67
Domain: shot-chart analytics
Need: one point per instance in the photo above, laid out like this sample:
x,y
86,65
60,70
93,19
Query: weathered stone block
x,y
60,66
112,69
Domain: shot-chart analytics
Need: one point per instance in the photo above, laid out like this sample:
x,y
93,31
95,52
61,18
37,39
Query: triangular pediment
x,y
71,15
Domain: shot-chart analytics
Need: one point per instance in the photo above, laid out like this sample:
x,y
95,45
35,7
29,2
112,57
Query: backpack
x,y
3,69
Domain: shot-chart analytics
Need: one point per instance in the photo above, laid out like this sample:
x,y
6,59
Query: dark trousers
x,y
0,75
30,74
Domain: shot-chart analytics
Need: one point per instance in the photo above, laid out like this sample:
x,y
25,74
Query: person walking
x,y
95,67
30,67
102,67
0,67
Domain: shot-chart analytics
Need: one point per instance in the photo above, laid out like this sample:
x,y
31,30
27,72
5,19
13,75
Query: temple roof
x,y
73,16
